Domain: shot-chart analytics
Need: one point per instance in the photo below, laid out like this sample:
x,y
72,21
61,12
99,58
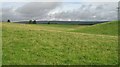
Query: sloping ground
x,y
52,44
109,28
0,45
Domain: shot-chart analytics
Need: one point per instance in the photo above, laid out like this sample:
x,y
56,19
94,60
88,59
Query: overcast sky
x,y
59,10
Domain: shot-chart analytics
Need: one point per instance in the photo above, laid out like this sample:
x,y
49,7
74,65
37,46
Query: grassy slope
x,y
51,44
109,28
0,44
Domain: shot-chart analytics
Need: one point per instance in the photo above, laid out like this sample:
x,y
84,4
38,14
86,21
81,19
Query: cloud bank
x,y
61,11
91,11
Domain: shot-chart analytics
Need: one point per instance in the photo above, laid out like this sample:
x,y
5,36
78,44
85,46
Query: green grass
x,y
43,44
0,45
109,28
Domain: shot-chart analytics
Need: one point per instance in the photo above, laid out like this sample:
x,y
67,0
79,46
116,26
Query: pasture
x,y
56,44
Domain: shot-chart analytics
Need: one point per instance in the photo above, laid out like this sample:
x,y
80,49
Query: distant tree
x,y
30,21
34,22
48,22
8,20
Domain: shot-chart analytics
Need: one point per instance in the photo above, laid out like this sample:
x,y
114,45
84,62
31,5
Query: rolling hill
x,y
45,44
108,28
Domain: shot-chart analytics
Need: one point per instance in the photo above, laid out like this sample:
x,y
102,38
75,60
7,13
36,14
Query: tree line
x,y
30,21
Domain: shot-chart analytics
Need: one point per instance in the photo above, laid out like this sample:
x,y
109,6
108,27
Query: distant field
x,y
109,28
43,44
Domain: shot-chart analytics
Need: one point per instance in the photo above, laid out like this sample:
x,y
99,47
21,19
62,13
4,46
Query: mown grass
x,y
29,44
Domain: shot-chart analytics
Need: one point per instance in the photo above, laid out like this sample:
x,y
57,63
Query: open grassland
x,y
60,44
0,44
109,28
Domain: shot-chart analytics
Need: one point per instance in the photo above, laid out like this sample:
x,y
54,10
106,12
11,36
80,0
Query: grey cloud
x,y
9,13
40,10
103,11
33,10
36,9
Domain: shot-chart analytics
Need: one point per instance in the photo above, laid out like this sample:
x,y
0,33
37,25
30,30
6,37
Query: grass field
x,y
0,45
42,44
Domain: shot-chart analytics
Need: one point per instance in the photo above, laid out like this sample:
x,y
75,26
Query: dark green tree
x,y
34,22
48,22
8,20
30,21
